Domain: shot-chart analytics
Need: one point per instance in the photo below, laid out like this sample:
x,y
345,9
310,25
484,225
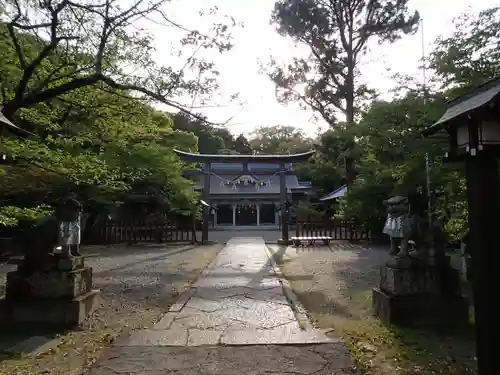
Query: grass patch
x,y
388,350
382,349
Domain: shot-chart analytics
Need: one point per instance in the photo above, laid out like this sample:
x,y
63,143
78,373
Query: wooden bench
x,y
311,240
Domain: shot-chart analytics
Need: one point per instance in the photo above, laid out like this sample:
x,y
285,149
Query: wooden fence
x,y
161,230
334,228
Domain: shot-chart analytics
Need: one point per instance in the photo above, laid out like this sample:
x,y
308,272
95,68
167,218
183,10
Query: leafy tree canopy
x,y
54,47
337,35
386,143
65,76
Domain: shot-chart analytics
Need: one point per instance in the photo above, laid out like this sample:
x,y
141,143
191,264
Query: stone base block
x,y
420,310
50,312
283,242
54,284
73,263
410,280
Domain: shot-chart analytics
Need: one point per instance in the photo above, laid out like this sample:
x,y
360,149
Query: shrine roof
x,y
210,158
486,94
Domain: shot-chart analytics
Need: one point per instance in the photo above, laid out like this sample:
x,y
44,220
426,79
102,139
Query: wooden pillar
x,y
277,215
206,198
483,195
214,223
284,209
234,215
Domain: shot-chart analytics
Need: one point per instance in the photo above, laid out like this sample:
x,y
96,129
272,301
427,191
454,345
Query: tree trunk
x,y
348,160
9,109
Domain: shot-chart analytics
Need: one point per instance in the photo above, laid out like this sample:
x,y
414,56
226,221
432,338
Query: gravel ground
x,y
333,282
138,285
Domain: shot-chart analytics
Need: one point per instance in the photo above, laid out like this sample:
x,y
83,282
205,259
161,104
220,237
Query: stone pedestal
x,y
59,294
420,294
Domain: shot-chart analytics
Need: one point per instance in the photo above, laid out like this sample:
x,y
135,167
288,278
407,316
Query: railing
x,y
334,228
135,231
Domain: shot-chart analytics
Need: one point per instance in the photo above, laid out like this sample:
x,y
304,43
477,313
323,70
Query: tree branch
x,y
39,97
153,95
29,70
17,46
179,26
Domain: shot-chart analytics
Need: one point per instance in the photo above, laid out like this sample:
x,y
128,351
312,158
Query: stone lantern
x,y
8,129
212,209
472,136
473,126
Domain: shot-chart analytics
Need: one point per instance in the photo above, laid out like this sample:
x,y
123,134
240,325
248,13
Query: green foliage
x,y
307,208
67,76
279,140
242,146
337,34
49,51
389,152
10,216
210,139
469,56
391,159
95,139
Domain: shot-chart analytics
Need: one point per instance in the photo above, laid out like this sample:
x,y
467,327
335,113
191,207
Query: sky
x,y
256,41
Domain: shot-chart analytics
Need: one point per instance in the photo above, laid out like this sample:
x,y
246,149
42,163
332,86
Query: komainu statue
x,y
68,213
399,225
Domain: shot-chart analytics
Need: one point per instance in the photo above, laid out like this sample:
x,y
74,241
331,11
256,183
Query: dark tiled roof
x,y
465,104
340,192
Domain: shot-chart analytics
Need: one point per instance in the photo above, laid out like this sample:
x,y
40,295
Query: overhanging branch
x,y
153,95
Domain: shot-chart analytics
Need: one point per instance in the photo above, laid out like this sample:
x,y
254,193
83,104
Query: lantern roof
x,y
13,128
474,100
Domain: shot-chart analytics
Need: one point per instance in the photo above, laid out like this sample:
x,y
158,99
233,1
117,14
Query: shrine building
x,y
246,189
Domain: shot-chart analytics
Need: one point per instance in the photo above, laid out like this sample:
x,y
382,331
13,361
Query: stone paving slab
x,y
234,320
321,359
238,301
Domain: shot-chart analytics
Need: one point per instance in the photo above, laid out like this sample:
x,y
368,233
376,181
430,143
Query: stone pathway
x,y
235,319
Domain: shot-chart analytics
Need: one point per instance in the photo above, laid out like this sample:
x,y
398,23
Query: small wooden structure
x,y
312,229
159,228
